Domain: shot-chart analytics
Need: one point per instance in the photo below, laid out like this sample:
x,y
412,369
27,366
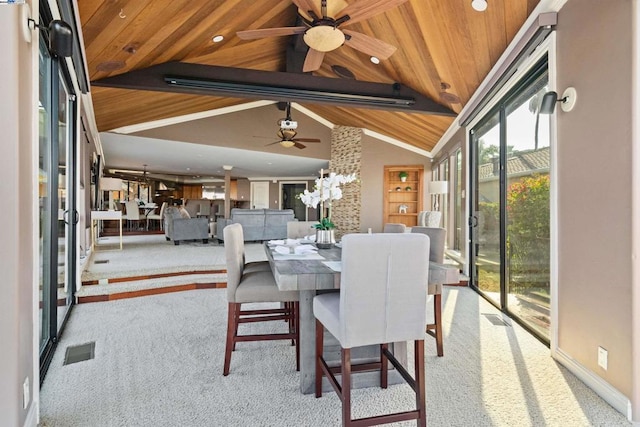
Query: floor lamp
x,y
435,189
111,185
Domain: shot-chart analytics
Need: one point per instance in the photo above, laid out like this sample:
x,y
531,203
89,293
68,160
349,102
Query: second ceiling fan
x,y
323,30
287,133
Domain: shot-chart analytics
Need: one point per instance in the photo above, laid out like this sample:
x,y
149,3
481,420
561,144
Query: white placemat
x,y
334,265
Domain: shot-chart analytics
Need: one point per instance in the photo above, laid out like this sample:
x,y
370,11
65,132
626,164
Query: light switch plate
x,y
602,358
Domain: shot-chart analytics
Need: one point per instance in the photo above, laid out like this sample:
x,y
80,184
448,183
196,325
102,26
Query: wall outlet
x,y
26,393
603,356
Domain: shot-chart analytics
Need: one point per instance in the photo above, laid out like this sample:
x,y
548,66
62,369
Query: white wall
x,y
18,193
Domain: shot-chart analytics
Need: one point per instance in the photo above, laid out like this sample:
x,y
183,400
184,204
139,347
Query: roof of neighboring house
x,y
520,163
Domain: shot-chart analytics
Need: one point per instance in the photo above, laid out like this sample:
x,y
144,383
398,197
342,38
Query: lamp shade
x,y
438,187
110,184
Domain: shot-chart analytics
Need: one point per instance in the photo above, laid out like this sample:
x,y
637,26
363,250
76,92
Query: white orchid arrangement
x,y
326,190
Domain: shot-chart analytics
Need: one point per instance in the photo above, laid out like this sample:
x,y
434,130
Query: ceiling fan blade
x,y
306,140
273,143
313,61
369,45
269,32
308,5
365,9
298,145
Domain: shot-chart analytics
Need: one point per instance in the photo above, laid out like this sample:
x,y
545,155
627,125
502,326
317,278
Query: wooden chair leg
x,y
346,387
236,316
384,366
420,382
319,347
296,321
232,327
437,310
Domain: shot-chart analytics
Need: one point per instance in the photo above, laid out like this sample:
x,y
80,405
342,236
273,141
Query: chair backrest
x,y
133,210
429,218
205,208
383,288
234,255
437,236
394,228
162,208
298,229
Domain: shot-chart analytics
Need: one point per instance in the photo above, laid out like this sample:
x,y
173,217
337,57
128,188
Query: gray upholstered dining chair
x,y
436,254
391,227
254,286
382,299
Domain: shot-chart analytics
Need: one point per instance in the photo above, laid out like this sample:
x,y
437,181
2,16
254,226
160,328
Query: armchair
x,y
178,228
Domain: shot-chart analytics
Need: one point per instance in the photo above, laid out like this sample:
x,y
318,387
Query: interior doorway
x,y
260,195
289,199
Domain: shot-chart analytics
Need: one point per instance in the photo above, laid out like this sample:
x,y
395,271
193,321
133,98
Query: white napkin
x,y
276,242
283,250
291,242
304,249
310,237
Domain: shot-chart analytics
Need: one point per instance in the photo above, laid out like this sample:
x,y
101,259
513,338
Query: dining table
x,y
319,271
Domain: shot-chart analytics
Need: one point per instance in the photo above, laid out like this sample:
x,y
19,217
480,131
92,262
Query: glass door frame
x,y
58,76
541,65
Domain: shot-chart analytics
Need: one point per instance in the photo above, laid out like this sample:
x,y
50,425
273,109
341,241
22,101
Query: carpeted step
x,y
119,289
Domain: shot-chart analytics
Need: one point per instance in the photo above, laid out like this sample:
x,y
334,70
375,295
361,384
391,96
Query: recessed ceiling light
x,y
375,60
479,5
218,38
188,169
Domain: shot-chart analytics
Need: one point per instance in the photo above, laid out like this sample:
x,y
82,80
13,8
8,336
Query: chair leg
x,y
437,310
420,382
346,387
296,321
231,328
319,347
384,366
236,316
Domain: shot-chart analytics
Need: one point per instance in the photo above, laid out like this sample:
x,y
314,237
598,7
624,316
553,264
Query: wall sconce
x,y
60,36
567,102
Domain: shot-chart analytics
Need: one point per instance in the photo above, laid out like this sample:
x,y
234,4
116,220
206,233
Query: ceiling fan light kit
x,y
323,38
323,33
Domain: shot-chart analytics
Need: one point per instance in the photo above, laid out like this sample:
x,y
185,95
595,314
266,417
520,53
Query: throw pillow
x,y
183,212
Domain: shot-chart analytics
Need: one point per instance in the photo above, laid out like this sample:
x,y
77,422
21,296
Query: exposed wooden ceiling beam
x,y
213,80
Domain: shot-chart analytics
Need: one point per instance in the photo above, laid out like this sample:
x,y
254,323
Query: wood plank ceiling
x,y
441,43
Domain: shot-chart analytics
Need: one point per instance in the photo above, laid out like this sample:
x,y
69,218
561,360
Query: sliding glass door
x,y
510,204
57,202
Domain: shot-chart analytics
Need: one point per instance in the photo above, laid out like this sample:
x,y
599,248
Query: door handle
x,y
473,221
76,217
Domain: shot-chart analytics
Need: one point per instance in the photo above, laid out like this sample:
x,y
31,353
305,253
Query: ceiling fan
x,y
287,133
323,30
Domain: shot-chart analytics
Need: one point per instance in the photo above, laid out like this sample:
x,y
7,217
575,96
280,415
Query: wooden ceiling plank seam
x,y
88,8
281,14
145,32
111,26
178,46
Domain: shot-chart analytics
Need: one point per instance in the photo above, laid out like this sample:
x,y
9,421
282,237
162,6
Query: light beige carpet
x,y
159,362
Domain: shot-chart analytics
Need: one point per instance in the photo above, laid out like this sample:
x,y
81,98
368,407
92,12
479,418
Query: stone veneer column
x,y
346,156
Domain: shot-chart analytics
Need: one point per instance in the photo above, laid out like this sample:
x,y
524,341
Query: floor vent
x,y
79,353
495,319
101,261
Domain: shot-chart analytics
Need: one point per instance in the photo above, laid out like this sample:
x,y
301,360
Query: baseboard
x,y
602,388
32,416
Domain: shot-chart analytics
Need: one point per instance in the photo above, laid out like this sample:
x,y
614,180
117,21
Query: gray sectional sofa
x,y
258,224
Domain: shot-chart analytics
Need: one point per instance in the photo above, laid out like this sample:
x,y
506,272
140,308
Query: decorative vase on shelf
x,y
325,239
